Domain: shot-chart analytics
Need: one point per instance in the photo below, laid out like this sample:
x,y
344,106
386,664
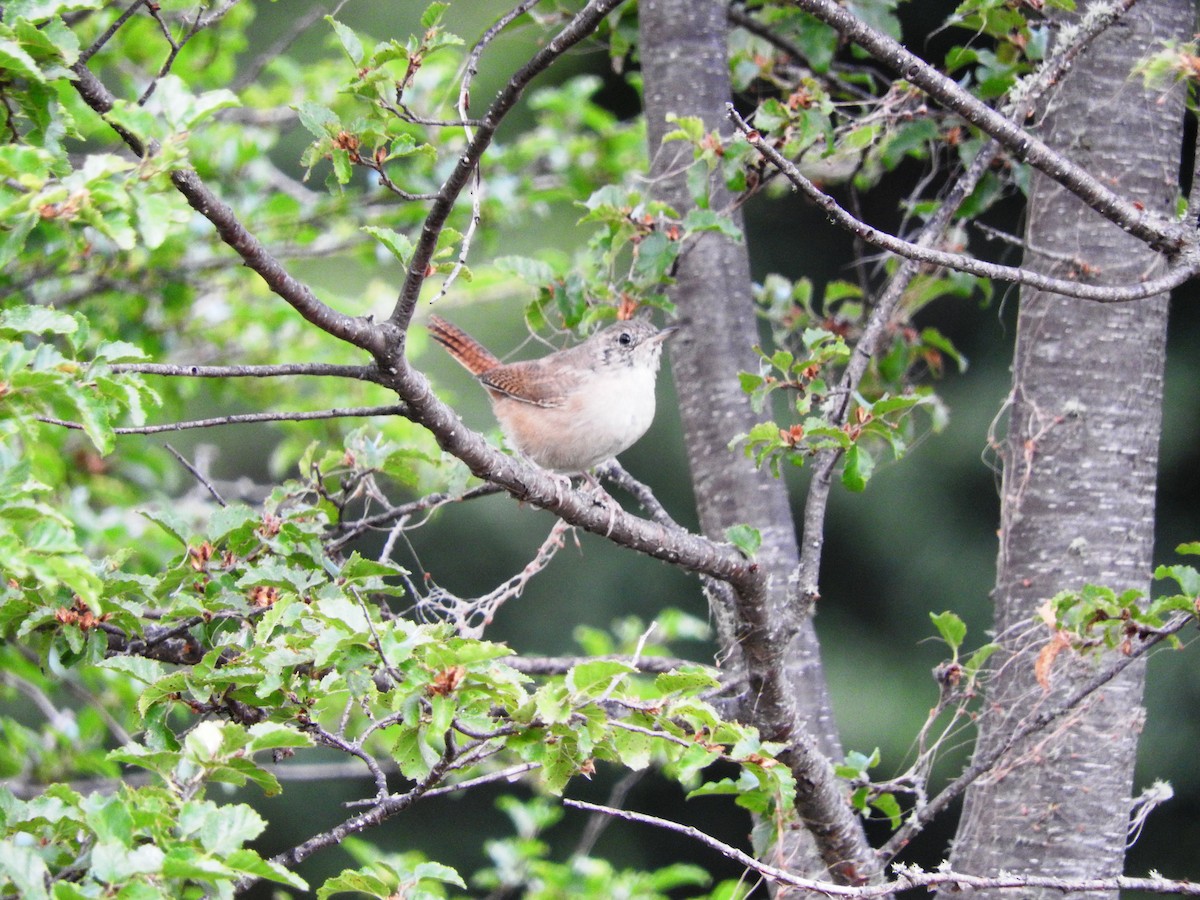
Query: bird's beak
x,y
665,332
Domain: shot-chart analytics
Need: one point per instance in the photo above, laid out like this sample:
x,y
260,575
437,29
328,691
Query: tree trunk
x,y
1079,473
683,56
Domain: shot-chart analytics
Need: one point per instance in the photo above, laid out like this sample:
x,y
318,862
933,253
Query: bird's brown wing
x,y
532,382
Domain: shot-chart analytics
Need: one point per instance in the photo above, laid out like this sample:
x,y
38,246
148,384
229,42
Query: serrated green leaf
x,y
596,675
14,60
349,40
358,881
888,805
396,243
685,681
952,629
37,320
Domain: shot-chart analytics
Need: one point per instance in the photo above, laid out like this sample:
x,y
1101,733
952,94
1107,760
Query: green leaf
x,y
24,869
349,40
857,469
698,219
397,244
595,676
746,538
37,320
15,61
952,629
357,881
433,16
318,119
685,681
114,863
634,748
1186,577
888,805
275,736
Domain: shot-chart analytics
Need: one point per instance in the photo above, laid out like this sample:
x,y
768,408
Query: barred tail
x,y
471,355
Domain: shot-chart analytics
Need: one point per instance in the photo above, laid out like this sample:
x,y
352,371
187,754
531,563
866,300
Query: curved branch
x,y
1161,234
1184,270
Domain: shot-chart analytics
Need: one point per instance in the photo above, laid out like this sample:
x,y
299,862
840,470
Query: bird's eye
x,y
625,339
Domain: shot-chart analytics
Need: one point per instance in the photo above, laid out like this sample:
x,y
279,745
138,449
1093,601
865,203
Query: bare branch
x,y
1164,236
906,877
348,531
510,774
1186,269
581,25
470,617
360,373
241,419
982,765
560,665
90,51
198,475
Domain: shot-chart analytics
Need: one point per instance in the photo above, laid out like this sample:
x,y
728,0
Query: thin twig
x,y
906,877
242,419
984,764
1184,270
197,474
359,373
90,51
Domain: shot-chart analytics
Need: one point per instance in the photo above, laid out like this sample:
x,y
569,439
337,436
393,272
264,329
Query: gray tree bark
x,y
683,55
1079,472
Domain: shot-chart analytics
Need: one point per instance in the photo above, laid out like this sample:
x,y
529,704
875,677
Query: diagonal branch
x,y
1164,236
583,24
984,764
1186,269
923,253
357,330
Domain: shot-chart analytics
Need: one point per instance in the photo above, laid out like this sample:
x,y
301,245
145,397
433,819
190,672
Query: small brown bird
x,y
576,407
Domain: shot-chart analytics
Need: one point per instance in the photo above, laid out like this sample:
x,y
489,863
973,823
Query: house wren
x,y
576,407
